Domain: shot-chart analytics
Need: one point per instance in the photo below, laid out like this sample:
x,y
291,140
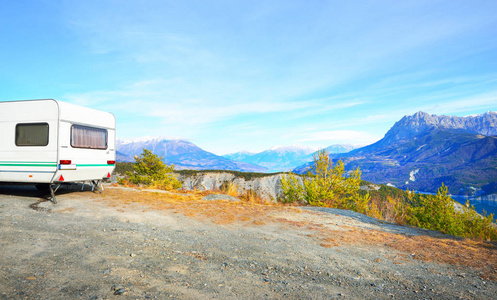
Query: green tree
x,y
150,170
326,185
476,225
436,213
293,190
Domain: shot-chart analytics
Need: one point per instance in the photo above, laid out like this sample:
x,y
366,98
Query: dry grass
x,y
191,204
230,189
443,249
438,248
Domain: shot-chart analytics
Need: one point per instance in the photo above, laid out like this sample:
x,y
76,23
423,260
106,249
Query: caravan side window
x,y
32,134
88,137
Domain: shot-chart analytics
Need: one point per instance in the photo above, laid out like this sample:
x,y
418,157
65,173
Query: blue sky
x,y
251,75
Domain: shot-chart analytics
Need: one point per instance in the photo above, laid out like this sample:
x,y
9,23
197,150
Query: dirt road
x,y
92,246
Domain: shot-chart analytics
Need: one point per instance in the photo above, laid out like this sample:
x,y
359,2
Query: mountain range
x,y
186,155
183,154
284,158
421,151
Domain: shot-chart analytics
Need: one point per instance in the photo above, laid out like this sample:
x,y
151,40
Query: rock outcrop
x,y
411,126
268,187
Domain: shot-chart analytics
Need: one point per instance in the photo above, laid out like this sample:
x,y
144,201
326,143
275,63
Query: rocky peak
x,y
411,126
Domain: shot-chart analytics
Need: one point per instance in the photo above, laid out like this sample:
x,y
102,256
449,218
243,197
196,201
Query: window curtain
x,y
88,137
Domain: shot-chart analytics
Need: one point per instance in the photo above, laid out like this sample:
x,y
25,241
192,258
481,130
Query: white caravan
x,y
48,143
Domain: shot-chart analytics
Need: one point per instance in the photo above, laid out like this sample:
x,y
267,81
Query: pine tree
x,y
150,170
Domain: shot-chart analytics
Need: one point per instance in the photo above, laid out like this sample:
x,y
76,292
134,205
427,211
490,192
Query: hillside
x,y
464,162
421,123
134,244
421,151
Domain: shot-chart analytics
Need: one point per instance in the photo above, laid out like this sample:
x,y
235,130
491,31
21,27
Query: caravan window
x,y
32,134
88,137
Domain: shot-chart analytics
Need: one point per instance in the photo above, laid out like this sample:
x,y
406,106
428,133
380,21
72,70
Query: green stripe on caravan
x,y
27,164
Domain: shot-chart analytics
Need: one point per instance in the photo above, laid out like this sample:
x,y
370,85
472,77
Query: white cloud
x,y
165,100
276,73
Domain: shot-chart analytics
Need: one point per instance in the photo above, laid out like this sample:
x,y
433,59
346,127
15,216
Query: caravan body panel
x,y
25,157
27,163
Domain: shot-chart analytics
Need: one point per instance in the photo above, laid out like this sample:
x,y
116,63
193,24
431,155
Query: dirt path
x,y
93,246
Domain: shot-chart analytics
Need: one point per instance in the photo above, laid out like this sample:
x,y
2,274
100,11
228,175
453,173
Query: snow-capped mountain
x,y
183,154
280,159
340,148
186,155
239,156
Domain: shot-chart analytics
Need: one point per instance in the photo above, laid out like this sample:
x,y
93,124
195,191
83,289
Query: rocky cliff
x,y
268,187
421,122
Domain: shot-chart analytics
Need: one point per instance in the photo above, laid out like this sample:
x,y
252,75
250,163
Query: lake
x,y
489,206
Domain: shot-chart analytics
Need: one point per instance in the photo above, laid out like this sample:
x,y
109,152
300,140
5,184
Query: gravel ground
x,y
84,248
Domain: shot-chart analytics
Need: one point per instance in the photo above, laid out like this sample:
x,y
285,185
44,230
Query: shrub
x,y
150,170
230,188
123,167
438,213
245,175
395,210
293,189
477,226
326,185
329,186
251,196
